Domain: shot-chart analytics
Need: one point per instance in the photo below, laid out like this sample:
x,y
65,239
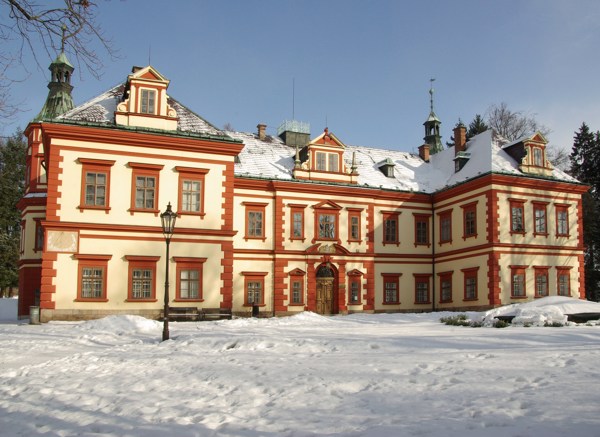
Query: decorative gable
x,y
530,153
323,160
145,101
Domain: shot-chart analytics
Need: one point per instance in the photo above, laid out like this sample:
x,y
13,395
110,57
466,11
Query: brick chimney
x,y
262,131
424,152
460,138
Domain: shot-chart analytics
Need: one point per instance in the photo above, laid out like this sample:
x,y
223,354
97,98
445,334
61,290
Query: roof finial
x,y
431,92
62,40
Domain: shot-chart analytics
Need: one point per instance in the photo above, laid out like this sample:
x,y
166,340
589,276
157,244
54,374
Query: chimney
x,y
424,152
460,138
262,131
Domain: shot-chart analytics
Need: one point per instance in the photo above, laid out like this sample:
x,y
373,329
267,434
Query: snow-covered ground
x,y
306,375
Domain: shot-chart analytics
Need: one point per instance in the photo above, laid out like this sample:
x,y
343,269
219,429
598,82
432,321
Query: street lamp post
x,y
167,219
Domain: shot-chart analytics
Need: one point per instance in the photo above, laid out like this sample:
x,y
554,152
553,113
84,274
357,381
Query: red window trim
x,y
255,207
515,270
563,271
188,263
355,276
296,275
537,205
419,219
149,170
471,272
521,204
469,207
387,215
443,276
193,174
95,166
354,212
334,210
538,271
254,276
447,214
86,260
421,278
295,208
558,208
327,152
141,262
391,277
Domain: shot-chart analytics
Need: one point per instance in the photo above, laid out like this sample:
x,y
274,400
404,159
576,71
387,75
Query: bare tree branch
x,y
513,125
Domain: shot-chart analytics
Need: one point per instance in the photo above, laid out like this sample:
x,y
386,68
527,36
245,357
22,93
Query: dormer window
x,y
538,157
327,162
148,102
387,168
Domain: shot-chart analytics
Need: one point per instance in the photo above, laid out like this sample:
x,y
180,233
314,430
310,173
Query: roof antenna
x,y
149,53
293,98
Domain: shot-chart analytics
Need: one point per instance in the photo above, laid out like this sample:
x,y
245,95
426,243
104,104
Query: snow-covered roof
x,y
271,158
101,110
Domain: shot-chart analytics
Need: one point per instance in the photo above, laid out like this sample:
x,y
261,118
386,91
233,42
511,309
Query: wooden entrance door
x,y
325,296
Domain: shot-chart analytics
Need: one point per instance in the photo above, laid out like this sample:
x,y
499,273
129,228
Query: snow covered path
x,y
360,375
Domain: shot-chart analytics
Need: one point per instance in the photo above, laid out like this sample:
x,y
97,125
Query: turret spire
x,y
59,98
432,126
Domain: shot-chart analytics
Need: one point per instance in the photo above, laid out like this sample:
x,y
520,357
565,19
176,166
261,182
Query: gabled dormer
x,y
530,153
144,101
323,159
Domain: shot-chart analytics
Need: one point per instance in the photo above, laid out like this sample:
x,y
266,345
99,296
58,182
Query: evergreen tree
x,y
585,158
12,186
476,127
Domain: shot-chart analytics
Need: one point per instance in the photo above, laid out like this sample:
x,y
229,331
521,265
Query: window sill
x,y
197,214
100,299
470,299
390,303
82,208
539,296
393,243
249,305
562,235
138,210
298,239
423,244
263,239
540,234
296,305
518,297
445,301
354,303
469,236
188,300
445,242
423,303
518,233
141,300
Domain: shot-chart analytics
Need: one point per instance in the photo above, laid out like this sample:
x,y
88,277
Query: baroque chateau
x,y
284,223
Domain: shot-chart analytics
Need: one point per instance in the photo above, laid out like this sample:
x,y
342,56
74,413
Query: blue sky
x,y
361,67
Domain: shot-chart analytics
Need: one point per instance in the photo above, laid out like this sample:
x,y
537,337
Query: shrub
x,y
501,324
458,320
553,325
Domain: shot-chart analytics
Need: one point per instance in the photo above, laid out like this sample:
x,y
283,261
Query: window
x,y
91,284
517,213
254,286
39,235
297,287
145,187
354,287
255,220
390,228
445,287
326,221
297,218
421,288
189,279
518,282
191,190
470,281
148,102
445,219
562,220
541,281
538,157
142,278
391,288
326,226
327,162
354,224
563,280
469,220
95,184
421,229
539,217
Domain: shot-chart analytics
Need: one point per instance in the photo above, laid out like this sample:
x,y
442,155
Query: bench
x,y
194,314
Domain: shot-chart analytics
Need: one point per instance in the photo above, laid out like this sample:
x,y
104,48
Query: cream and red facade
x,y
309,230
